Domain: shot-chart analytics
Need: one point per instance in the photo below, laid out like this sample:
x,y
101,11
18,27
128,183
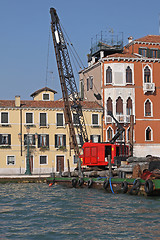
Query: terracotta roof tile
x,y
149,38
45,104
122,55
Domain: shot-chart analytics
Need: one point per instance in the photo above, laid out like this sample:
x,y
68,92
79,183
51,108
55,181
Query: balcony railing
x,y
148,87
120,119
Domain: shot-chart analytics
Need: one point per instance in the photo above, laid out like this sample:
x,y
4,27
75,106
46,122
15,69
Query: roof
x,y
46,104
149,39
41,90
122,55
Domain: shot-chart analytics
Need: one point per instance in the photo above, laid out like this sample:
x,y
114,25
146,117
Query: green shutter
x,y
140,51
148,52
158,53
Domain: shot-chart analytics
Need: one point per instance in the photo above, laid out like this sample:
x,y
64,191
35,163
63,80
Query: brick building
x,y
129,83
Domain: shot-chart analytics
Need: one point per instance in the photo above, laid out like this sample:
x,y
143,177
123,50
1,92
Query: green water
x,y
36,211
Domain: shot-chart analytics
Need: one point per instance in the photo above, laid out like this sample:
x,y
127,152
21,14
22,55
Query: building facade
x,y
41,121
129,84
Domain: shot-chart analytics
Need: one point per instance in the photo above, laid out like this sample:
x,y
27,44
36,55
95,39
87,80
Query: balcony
x,y
148,87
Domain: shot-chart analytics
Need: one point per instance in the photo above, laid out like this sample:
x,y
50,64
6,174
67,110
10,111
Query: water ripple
x,y
35,211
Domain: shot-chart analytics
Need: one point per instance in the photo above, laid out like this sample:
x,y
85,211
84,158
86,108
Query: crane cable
x,y
47,59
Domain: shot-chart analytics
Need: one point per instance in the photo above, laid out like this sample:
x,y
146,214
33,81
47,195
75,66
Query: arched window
x,y
128,75
109,105
147,75
148,134
129,106
147,108
109,134
109,75
119,106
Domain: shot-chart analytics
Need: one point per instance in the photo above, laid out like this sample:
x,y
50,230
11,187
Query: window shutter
x,y
43,119
9,139
158,53
25,139
99,138
0,138
56,141
4,117
64,140
148,52
59,119
109,104
33,138
140,51
91,138
119,106
47,140
39,141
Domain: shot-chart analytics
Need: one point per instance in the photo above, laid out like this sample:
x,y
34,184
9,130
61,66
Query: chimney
x,y
17,101
130,39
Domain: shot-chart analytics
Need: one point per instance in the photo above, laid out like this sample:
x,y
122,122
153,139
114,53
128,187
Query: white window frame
x,y
63,120
47,125
1,118
46,160
26,118
94,125
7,160
151,134
45,94
151,108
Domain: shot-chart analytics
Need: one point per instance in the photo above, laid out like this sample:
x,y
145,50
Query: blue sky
x,y
24,34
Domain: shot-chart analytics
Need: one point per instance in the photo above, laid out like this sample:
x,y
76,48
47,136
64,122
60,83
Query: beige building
x,y
42,121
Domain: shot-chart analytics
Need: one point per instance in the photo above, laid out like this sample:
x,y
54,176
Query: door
x,y
31,163
60,161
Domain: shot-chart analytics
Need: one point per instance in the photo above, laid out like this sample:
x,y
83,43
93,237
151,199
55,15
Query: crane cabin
x,y
97,154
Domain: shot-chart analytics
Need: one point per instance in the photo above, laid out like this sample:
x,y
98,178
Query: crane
x,y
68,84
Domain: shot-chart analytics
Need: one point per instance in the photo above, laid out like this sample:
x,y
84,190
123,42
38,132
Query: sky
x,y
25,45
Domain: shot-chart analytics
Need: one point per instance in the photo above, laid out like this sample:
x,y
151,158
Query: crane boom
x,y
68,84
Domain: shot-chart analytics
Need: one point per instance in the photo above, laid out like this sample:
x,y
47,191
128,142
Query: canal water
x,y
37,211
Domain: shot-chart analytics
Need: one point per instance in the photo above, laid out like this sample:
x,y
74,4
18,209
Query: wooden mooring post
x,y
110,167
69,172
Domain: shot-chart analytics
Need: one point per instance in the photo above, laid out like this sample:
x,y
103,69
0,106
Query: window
x,y
95,119
43,160
75,159
60,140
154,53
10,160
109,134
109,75
4,117
43,119
119,106
109,105
147,75
148,134
91,82
129,106
5,139
95,138
148,108
43,140
31,139
60,120
87,84
29,118
46,96
143,52
128,75
82,89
